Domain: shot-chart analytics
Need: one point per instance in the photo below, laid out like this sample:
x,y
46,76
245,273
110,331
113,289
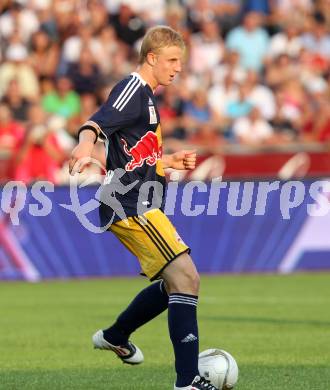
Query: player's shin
x,y
148,304
182,321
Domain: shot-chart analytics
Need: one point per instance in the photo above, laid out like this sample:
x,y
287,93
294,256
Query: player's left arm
x,y
185,159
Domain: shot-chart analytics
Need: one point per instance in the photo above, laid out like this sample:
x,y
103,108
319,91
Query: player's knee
x,y
185,283
181,276
191,283
195,283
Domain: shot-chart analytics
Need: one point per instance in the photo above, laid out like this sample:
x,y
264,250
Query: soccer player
x,y
129,124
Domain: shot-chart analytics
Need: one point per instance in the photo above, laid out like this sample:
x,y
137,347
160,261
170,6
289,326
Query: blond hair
x,y
157,38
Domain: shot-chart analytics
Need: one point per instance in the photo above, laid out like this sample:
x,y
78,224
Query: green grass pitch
x,y
277,328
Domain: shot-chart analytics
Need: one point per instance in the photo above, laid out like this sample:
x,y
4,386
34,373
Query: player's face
x,y
167,64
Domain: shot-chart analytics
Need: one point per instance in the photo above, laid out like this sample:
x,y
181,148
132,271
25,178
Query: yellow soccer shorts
x,y
152,238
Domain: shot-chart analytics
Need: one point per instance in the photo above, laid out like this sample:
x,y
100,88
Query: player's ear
x,y
151,58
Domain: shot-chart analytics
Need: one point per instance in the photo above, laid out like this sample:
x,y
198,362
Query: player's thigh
x,y
181,276
152,239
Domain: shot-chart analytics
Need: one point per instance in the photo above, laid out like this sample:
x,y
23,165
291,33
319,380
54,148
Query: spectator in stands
x,y
281,123
280,70
109,45
73,45
47,86
18,104
66,134
321,128
197,111
63,101
44,11
16,67
207,48
250,41
20,19
260,95
198,12
322,7
40,156
85,73
88,107
240,106
66,19
112,6
317,41
311,65
176,18
292,101
120,65
297,106
227,12
252,129
170,108
230,64
44,55
96,16
285,10
129,26
317,122
222,94
151,11
286,42
11,137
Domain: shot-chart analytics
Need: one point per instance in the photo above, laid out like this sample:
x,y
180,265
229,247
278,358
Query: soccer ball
x,y
219,367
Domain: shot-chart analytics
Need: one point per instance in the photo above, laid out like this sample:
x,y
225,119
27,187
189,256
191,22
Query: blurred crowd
x,y
256,73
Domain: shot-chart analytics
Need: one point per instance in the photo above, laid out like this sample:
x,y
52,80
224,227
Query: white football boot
x,y
199,383
128,353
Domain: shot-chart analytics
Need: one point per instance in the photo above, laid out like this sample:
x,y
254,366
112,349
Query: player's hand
x,y
80,157
185,159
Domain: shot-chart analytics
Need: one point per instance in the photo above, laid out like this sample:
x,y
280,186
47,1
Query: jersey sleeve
x,y
122,108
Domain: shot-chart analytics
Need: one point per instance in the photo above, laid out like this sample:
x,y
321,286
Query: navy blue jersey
x,y
129,124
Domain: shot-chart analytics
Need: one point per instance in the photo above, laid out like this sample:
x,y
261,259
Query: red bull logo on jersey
x,y
146,150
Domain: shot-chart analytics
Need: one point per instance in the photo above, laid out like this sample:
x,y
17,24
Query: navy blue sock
x,y
148,304
182,322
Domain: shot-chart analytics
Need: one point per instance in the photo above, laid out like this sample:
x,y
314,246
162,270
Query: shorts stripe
x,y
153,239
159,242
160,237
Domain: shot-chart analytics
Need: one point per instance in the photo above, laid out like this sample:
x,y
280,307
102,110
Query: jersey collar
x,y
136,74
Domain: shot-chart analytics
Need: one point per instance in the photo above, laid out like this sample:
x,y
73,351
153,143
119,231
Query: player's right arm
x,y
121,109
83,151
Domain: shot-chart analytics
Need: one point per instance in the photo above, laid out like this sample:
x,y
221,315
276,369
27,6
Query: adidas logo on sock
x,y
189,338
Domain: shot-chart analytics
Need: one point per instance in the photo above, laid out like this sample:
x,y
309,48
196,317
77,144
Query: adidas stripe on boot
x,y
128,353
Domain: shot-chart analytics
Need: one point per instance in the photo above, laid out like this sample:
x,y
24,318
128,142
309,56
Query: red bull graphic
x,y
146,150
